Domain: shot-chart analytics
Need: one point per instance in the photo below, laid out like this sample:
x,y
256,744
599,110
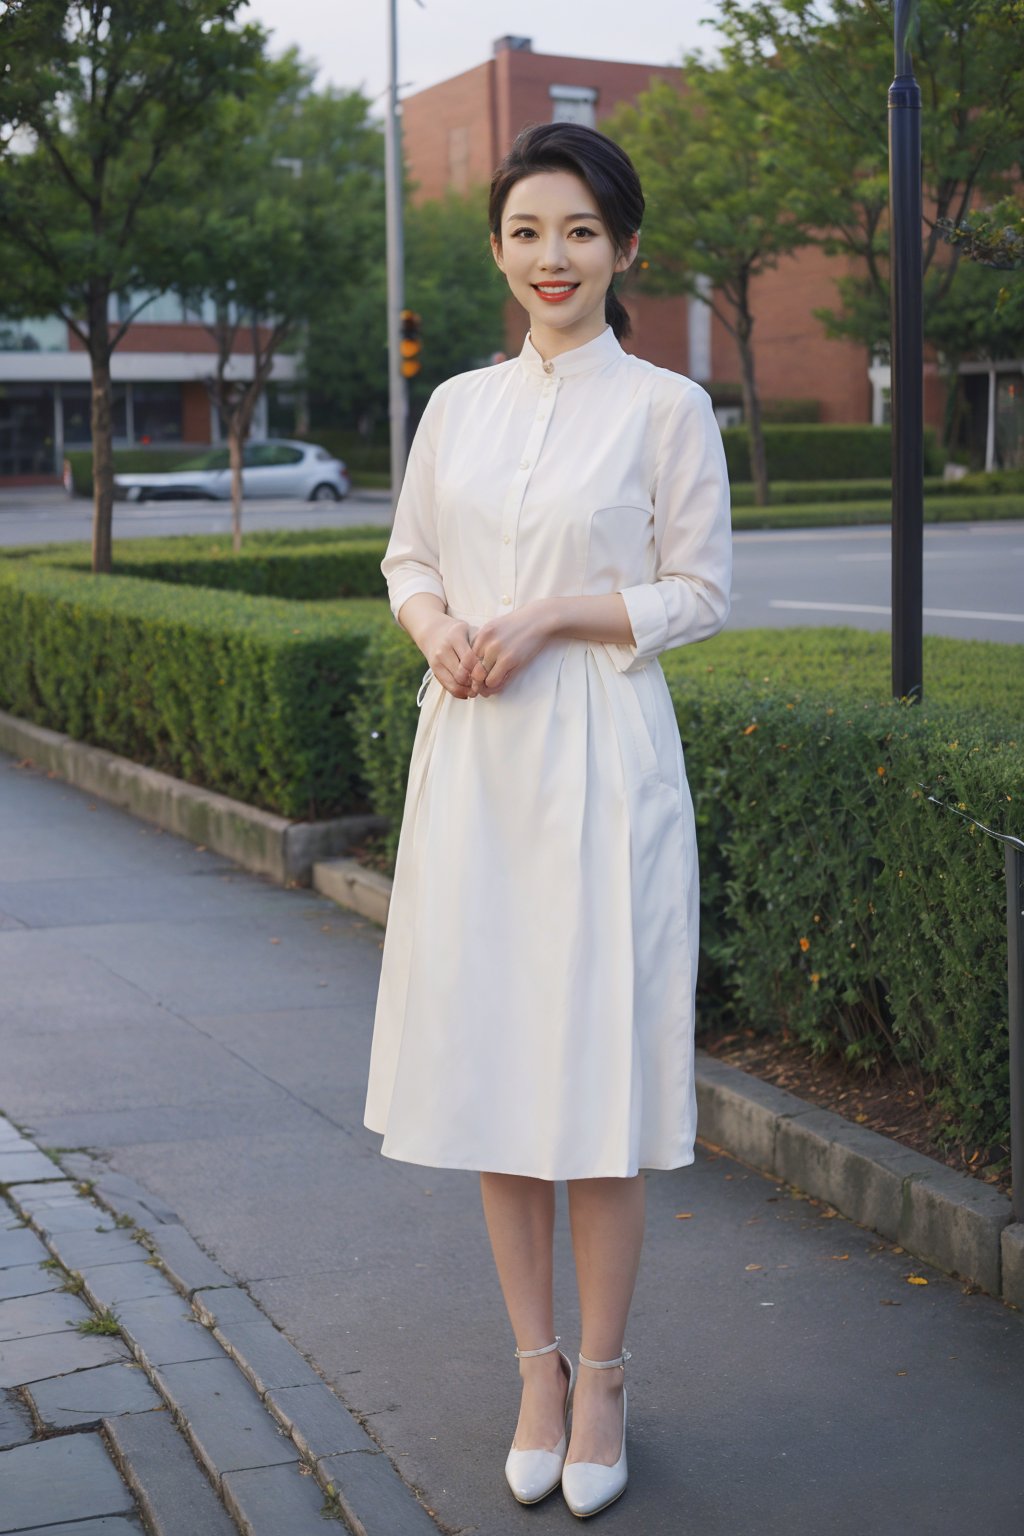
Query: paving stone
x,y
85,1398
81,1250
373,1498
954,1221
269,1500
56,1354
185,1261
171,1487
23,1317
69,1478
21,1246
110,1525
16,1426
319,1424
163,1331
10,1135
229,1426
79,1215
21,1167
265,1354
36,1196
108,1285
28,1280
1012,1252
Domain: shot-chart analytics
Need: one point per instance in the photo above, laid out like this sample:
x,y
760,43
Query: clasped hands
x,y
477,662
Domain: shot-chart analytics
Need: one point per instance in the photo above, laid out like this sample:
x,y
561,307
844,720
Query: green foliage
x,y
248,696
798,452
316,571
812,828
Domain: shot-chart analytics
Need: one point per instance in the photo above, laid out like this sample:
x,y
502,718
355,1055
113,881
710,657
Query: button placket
x,y
516,494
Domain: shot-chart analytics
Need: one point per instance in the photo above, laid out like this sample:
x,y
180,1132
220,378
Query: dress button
x,y
549,367
524,463
508,538
506,598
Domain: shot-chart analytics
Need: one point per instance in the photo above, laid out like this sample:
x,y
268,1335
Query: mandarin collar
x,y
585,359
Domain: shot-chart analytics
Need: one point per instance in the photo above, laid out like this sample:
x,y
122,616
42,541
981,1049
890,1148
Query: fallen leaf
x,y
915,1280
885,1302
754,1266
839,1255
901,1373
275,941
683,1215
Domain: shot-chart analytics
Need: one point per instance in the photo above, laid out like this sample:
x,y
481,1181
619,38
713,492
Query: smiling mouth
x,y
555,293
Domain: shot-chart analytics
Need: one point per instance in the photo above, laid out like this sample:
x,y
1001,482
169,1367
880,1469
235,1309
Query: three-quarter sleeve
x,y
411,562
689,598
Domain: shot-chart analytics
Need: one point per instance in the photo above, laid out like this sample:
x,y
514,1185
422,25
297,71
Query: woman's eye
x,y
583,230
523,231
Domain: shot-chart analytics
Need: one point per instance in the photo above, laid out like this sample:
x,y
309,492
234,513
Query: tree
x,y
97,102
451,281
836,59
283,227
723,204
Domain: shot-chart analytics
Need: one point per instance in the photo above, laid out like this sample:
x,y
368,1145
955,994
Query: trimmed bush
x,y
248,696
800,452
835,900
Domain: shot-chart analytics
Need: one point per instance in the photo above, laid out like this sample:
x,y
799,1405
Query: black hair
x,y
595,159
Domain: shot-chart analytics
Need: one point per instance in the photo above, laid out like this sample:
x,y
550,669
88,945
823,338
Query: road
x,y
207,1034
973,587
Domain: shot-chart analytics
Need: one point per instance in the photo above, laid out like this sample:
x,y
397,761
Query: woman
x,y
564,519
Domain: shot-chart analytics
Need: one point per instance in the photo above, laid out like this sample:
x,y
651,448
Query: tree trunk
x,y
236,439
102,436
752,412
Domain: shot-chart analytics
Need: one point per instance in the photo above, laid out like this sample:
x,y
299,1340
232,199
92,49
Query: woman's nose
x,y
552,256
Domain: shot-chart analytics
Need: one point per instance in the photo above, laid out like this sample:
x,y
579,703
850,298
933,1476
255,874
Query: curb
x,y
944,1218
228,1376
257,840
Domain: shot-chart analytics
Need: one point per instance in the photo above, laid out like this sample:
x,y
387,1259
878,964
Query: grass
x,y
105,1324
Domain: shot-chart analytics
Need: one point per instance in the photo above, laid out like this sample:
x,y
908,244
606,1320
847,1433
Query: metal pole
x,y
397,393
907,366
1015,977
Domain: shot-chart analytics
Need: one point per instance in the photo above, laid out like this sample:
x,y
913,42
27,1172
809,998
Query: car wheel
x,y
324,492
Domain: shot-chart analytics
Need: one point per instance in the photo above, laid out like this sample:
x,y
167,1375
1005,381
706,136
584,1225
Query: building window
x,y
76,412
27,429
50,335
698,325
573,104
156,413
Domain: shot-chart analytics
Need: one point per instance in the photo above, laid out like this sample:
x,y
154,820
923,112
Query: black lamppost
x,y
907,365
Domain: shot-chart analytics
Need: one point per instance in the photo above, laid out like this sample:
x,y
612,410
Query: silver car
x,y
276,466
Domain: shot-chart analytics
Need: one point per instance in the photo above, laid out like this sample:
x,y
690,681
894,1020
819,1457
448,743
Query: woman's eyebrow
x,y
531,218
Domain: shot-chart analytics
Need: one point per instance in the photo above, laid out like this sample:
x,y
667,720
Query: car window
x,y
283,454
217,458
259,455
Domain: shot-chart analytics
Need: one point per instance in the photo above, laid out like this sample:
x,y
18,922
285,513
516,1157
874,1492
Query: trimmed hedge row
x,y
798,452
248,696
310,572
834,899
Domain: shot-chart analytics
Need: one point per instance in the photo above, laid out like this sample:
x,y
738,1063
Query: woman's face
x,y
558,257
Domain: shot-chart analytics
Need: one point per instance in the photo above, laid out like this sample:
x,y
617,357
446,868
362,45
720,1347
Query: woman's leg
x,y
607,1221
520,1216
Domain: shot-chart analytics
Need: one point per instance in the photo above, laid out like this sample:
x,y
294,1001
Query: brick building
x,y
455,133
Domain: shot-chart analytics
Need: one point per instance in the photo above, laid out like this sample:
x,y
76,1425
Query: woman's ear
x,y
496,251
629,254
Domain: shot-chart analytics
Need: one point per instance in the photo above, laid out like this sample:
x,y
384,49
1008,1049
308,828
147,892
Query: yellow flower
x,y
749,729
805,945
881,772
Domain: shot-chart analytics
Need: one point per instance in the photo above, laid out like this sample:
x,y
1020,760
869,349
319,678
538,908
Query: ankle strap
x,y
604,1365
527,1354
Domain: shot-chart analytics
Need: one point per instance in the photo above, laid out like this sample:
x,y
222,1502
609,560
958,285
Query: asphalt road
x,y
973,572
208,1034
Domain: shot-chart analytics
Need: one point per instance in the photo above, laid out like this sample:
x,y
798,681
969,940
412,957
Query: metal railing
x,y
1014,852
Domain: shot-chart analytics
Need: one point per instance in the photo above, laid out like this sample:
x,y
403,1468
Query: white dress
x,y
536,1003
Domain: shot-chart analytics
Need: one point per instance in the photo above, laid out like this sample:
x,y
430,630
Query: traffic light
x,y
409,346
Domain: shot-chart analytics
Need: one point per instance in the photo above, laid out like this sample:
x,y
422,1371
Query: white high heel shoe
x,y
532,1475
590,1485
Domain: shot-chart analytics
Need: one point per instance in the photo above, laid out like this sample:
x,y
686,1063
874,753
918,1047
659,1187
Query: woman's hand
x,y
447,647
504,644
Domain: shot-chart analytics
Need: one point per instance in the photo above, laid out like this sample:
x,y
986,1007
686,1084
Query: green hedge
x,y
313,572
248,696
803,452
812,827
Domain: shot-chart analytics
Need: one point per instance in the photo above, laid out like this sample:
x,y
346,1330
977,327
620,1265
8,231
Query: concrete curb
x,y
257,840
942,1217
235,1380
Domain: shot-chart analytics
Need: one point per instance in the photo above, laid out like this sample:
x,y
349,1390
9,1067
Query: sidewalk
x,y
196,1040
